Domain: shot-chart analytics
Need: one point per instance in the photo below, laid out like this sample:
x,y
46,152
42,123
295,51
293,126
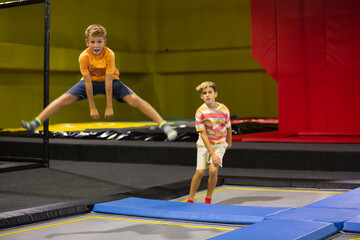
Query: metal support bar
x,y
45,161
46,79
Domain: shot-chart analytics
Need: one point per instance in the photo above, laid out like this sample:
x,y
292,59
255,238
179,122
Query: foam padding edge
x,y
187,211
281,230
328,215
352,225
42,213
347,200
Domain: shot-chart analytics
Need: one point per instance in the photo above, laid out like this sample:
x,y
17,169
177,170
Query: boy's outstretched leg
x,y
195,183
137,102
51,109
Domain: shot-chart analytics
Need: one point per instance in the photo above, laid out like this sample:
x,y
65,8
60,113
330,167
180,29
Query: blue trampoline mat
x,y
352,225
328,215
281,230
346,200
188,211
314,221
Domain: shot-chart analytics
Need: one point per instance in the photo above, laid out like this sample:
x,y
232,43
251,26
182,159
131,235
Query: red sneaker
x,y
207,200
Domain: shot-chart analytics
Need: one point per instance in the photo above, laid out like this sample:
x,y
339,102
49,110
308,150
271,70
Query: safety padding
x,y
352,225
329,215
187,211
281,230
347,200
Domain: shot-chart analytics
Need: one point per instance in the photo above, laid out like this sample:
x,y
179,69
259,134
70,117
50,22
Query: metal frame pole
x,y
46,64
46,80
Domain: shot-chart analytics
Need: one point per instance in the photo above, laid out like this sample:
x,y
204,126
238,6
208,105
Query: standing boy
x,y
99,76
215,136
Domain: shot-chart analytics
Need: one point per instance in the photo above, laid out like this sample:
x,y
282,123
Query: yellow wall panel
x,y
206,61
203,24
242,92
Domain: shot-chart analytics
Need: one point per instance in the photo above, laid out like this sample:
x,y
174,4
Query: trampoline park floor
x,y
111,226
36,195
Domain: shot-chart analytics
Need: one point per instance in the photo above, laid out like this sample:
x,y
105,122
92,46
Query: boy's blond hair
x,y
95,30
205,85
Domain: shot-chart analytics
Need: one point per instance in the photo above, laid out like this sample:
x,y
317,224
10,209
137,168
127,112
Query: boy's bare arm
x,y
215,158
89,92
108,90
229,137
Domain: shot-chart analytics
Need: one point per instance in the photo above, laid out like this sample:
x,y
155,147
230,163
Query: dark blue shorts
x,y
120,90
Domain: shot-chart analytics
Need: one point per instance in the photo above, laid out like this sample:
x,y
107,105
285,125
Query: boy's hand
x,y
94,113
216,160
229,145
109,112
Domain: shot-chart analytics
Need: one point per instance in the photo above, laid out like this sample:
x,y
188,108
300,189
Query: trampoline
x,y
98,225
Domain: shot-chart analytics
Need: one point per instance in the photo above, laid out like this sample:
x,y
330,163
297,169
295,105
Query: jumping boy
x,y
99,76
215,136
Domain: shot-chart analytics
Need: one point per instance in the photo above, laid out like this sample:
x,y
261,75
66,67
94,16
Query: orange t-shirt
x,y
98,66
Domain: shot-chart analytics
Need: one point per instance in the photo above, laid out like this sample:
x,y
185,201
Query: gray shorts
x,y
120,90
203,155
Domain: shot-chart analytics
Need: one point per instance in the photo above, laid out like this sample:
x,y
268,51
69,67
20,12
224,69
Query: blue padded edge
x,y
187,211
347,200
281,230
329,215
352,225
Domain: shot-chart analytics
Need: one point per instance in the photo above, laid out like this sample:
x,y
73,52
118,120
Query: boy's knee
x,y
213,171
67,99
133,100
200,173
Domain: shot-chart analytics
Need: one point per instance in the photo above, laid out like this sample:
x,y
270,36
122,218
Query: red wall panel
x,y
343,64
263,34
311,48
301,64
